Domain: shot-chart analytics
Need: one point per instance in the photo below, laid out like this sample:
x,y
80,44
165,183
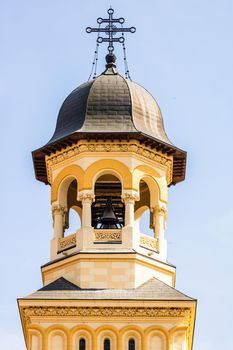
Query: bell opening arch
x,y
108,209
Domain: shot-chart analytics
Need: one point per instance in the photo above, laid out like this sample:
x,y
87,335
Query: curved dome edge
x,y
71,116
146,114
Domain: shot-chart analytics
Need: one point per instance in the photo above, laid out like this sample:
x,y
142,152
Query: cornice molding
x,y
68,153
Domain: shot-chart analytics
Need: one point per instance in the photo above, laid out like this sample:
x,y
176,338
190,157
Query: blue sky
x,y
182,53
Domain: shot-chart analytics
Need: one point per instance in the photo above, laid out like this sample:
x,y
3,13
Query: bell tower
x,y
108,285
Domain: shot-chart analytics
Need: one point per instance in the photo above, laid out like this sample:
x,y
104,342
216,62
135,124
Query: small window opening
x,y
131,344
82,344
107,344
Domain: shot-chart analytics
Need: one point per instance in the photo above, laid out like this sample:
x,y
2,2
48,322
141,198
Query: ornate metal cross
x,y
111,30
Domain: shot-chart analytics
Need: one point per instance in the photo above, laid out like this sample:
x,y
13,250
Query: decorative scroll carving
x,y
148,242
133,147
129,312
67,242
161,210
88,197
58,209
107,236
128,197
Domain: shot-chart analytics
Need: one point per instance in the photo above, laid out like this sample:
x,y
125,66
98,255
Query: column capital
x,y
130,196
58,214
58,209
161,210
87,197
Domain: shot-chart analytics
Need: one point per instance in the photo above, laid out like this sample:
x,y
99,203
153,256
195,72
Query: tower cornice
x,y
64,155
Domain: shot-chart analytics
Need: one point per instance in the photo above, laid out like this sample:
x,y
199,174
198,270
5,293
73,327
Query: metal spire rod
x,y
110,30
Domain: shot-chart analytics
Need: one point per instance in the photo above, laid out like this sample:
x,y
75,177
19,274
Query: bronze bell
x,y
109,219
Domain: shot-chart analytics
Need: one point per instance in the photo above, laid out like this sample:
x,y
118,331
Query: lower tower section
x,y
62,316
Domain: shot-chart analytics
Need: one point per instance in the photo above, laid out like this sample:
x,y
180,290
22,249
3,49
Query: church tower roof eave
x,y
179,156
153,289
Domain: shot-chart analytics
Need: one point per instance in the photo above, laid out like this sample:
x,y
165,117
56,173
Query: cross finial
x,y
110,30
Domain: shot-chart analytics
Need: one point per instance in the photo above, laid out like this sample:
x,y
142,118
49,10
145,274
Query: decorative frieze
x,y
133,147
148,242
107,236
66,242
105,312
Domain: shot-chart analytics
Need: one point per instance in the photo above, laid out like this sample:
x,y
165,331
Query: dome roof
x,y
110,104
106,107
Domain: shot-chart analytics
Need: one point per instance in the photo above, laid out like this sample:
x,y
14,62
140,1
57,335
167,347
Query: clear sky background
x,y
182,53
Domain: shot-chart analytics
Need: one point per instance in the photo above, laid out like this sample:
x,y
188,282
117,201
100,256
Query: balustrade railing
x,y
148,242
107,236
66,242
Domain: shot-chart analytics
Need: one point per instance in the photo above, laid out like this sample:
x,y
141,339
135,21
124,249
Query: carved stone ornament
x,y
128,312
107,236
86,197
67,242
58,210
148,242
130,197
133,147
161,211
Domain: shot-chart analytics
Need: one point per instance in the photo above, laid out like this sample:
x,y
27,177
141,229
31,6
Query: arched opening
x,y
143,216
145,224
107,344
131,344
74,222
74,209
81,338
82,344
108,210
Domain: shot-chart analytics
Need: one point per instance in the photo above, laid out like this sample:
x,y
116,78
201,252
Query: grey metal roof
x,y
107,107
60,284
153,289
110,103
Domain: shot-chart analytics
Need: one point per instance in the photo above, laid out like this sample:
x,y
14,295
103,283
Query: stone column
x,y
159,223
58,212
129,200
130,238
87,199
